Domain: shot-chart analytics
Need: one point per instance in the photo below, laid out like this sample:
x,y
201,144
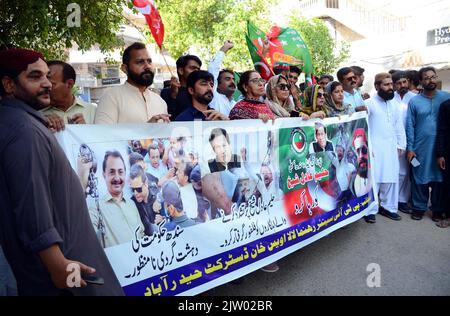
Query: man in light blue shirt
x,y
155,165
421,131
352,97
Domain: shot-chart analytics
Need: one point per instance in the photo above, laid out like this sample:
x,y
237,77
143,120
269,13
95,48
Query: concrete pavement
x,y
414,257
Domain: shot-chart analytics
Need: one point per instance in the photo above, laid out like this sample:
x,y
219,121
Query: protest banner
x,y
217,200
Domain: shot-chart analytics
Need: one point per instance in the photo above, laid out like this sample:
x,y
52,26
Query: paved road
x,y
414,257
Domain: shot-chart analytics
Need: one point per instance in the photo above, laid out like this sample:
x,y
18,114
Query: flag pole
x,y
164,57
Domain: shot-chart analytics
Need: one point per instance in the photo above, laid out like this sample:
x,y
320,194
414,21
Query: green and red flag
x,y
255,38
285,46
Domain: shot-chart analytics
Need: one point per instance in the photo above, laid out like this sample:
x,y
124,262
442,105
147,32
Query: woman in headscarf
x,y
314,106
334,100
251,86
278,91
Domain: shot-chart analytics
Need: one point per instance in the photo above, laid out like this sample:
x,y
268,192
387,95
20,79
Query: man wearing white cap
x,y
389,142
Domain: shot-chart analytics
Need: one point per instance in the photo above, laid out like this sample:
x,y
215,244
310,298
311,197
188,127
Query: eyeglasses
x,y
256,81
320,95
283,86
430,78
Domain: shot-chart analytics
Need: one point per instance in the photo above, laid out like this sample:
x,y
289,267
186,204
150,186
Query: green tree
x,y
326,55
43,25
204,26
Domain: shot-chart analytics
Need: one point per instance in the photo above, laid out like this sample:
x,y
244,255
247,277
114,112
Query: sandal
x,y
443,223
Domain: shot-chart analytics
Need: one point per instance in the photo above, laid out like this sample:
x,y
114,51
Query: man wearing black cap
x,y
174,206
45,229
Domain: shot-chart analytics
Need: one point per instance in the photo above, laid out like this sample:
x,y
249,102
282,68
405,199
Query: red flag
x,y
154,21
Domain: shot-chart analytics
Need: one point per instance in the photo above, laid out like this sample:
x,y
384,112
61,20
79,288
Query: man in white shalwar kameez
x,y
403,95
388,142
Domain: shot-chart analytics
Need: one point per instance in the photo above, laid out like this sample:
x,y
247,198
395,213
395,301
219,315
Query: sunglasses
x,y
363,150
137,190
320,95
351,78
283,86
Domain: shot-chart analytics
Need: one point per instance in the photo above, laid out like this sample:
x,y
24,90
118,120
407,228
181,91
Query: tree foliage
x,y
326,55
203,26
42,25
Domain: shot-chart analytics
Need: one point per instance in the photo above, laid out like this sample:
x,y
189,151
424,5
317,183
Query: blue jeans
x,y
8,285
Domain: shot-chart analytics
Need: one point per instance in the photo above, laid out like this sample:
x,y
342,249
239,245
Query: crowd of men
x,y
42,200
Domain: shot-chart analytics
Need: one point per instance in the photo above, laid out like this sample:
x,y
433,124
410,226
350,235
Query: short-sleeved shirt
x,y
353,100
43,204
78,106
126,104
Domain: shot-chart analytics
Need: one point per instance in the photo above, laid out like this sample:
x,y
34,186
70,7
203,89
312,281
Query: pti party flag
x,y
255,38
285,46
153,18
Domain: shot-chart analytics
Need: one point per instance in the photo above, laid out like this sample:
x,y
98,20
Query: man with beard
x,y
361,182
133,102
200,85
421,129
388,141
264,181
347,78
403,95
177,96
224,86
118,216
45,230
443,156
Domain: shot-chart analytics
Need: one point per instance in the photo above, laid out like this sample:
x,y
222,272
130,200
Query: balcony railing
x,y
377,21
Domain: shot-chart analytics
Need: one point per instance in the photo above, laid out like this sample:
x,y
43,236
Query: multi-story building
x,y
97,71
388,34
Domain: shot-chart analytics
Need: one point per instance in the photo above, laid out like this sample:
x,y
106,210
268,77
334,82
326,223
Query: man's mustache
x,y
43,92
147,72
363,161
115,182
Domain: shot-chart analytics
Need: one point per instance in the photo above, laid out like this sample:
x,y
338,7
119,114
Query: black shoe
x,y
436,217
370,219
417,215
403,207
385,212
